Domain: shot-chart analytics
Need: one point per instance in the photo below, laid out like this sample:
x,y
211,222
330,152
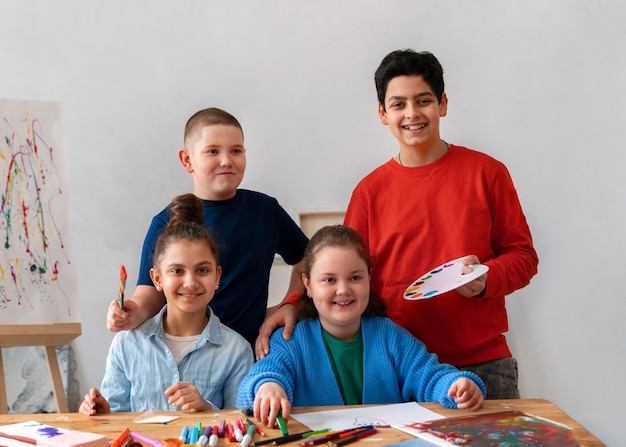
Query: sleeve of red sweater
x,y
516,260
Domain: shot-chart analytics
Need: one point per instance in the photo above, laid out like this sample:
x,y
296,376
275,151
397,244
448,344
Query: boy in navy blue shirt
x,y
250,228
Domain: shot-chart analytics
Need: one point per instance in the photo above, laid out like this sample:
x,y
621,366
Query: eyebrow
x,y
419,95
200,264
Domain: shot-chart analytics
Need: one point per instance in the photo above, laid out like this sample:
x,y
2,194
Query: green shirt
x,y
346,357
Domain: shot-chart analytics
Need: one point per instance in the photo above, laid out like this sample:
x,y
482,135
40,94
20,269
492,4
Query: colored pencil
x,y
282,439
352,438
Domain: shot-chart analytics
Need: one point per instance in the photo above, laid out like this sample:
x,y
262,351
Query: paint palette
x,y
446,277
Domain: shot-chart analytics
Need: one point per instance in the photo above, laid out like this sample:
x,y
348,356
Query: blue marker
x,y
183,434
193,436
204,439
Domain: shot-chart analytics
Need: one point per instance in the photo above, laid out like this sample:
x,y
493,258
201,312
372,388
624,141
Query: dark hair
x,y
186,223
209,117
337,236
408,62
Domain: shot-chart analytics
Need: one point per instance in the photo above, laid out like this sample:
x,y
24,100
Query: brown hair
x,y
186,224
337,236
208,117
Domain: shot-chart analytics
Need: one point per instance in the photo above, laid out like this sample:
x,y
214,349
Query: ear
x,y
185,159
307,284
443,105
382,114
156,278
218,275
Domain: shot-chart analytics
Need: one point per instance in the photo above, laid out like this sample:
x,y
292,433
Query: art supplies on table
x,y
448,276
35,433
506,428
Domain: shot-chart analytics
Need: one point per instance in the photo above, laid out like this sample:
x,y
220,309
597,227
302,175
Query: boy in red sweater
x,y
432,203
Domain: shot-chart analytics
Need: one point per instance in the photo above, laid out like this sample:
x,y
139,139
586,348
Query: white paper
x,y
150,417
372,415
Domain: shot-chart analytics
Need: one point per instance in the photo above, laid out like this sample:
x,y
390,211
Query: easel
x,y
47,335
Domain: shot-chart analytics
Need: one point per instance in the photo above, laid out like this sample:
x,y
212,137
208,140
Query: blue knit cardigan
x,y
396,368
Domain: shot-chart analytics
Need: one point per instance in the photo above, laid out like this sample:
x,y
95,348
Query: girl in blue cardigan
x,y
344,350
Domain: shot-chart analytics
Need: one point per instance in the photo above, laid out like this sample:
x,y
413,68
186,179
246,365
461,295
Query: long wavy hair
x,y
344,237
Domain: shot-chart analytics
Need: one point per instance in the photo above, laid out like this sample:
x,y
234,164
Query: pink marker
x,y
139,437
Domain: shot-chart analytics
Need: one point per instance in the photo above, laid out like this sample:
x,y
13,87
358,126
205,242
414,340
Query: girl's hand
x,y
94,403
186,397
467,394
270,401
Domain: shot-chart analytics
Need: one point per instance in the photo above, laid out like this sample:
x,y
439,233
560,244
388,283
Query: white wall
x,y
539,85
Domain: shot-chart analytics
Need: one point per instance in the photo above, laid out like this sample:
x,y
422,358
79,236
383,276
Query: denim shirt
x,y
140,367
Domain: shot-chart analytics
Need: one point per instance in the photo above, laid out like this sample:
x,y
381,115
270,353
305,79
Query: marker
x,y
230,433
282,425
193,436
221,431
202,441
256,427
237,431
121,438
139,437
183,434
213,437
241,425
123,277
245,442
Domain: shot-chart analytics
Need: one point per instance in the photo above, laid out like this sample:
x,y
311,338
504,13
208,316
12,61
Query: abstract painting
x,y
37,275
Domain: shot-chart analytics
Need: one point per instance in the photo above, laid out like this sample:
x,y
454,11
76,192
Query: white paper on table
x,y
371,415
150,417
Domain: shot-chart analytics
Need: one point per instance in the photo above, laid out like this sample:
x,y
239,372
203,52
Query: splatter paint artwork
x,y
446,277
503,429
37,277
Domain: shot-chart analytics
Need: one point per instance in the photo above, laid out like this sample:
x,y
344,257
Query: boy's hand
x,y
476,287
286,316
466,394
94,403
270,401
186,397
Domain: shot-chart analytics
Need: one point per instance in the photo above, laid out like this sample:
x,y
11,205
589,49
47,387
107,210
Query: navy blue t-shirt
x,y
249,229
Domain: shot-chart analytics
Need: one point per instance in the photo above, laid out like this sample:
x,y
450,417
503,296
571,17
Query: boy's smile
x,y
412,112
217,161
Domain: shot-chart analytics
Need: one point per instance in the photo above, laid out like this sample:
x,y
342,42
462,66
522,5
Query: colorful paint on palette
x,y
441,279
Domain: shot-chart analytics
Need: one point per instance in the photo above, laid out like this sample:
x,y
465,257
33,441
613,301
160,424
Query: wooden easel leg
x,y
4,405
57,382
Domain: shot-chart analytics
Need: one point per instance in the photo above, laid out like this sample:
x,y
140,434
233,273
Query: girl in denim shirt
x,y
182,358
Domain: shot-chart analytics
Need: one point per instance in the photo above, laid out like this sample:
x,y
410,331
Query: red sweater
x,y
414,219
